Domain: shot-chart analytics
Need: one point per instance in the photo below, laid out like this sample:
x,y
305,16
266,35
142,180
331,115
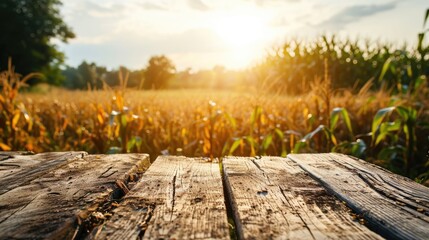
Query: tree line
x,y
160,73
90,76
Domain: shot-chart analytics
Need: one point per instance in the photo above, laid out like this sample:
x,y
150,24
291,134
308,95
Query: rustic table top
x,y
73,195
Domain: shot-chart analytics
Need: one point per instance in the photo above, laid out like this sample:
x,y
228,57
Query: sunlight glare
x,y
244,35
239,31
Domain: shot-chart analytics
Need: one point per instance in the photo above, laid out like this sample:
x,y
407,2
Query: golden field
x,y
367,124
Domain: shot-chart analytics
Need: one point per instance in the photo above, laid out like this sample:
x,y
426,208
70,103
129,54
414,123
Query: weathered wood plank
x,y
177,198
273,198
61,199
392,205
18,168
7,154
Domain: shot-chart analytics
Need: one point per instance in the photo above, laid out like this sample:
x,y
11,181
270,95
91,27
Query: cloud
x,y
153,6
263,3
101,10
198,5
353,14
279,22
193,40
133,50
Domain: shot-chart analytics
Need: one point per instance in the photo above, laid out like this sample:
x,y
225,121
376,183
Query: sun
x,y
239,31
245,36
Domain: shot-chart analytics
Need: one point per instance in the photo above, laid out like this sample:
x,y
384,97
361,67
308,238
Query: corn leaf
x,y
235,145
231,120
15,119
335,116
311,134
267,142
4,147
386,66
358,148
378,118
426,17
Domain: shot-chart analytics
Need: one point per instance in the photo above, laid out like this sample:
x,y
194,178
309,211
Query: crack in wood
x,y
9,165
144,225
257,165
234,232
374,179
101,175
108,175
404,204
5,157
19,209
173,194
262,170
400,190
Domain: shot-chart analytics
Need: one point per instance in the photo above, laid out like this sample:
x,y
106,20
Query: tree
x,y
73,80
27,28
84,76
159,70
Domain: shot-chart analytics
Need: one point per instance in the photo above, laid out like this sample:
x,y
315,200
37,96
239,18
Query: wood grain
x,y
394,206
18,168
273,198
177,198
56,201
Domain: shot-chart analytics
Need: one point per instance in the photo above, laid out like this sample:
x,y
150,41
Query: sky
x,y
200,34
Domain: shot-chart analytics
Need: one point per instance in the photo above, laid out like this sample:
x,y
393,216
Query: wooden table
x,y
73,195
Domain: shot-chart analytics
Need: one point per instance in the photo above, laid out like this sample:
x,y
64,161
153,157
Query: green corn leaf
x,y
386,66
284,152
235,145
131,143
421,36
386,128
310,135
426,17
409,71
358,148
378,118
389,153
225,148
124,120
335,116
267,142
255,114
407,133
298,146
403,112
279,133
231,120
253,145
333,139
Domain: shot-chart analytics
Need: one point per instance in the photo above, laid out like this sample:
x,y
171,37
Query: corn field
x,y
388,130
